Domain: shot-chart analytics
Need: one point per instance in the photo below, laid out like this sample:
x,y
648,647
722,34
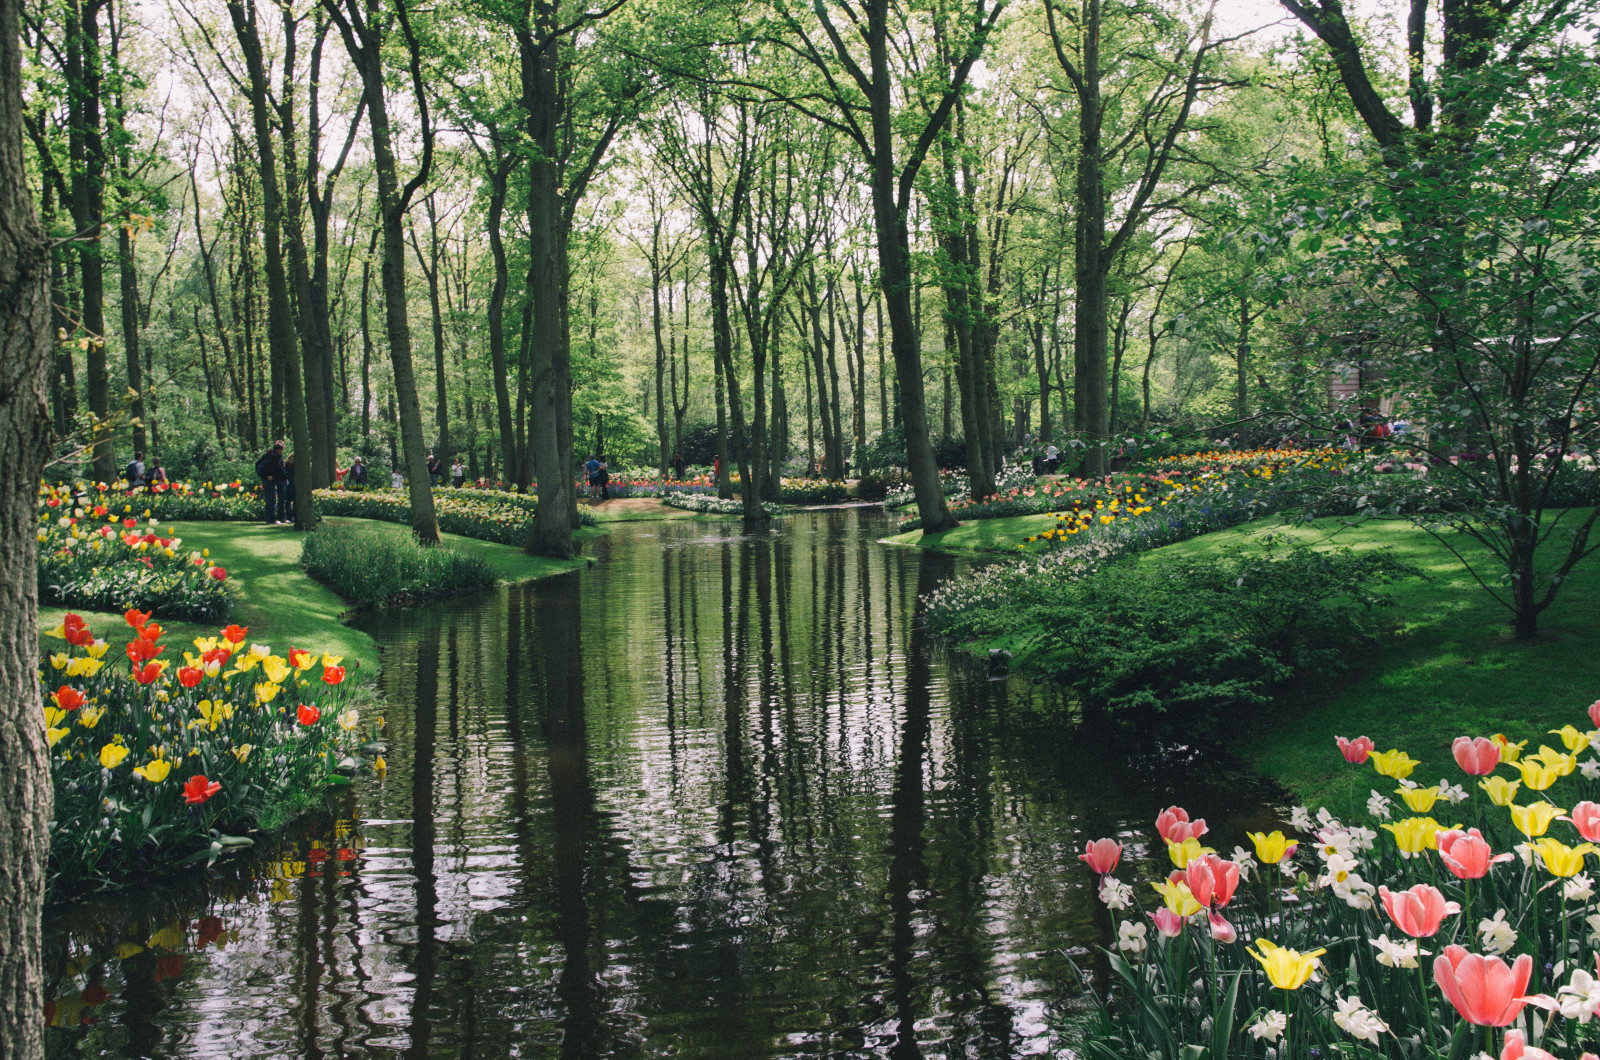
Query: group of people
x,y
143,476
599,474
458,470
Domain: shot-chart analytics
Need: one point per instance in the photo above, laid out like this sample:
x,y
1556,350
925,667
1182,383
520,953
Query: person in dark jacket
x,y
357,475
269,466
134,472
288,488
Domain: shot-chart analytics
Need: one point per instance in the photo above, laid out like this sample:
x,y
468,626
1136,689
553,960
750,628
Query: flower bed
x,y
488,515
812,491
205,501
709,505
92,559
154,763
1382,933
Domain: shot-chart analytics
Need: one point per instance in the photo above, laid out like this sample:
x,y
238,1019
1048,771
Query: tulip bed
x,y
155,764
1380,932
709,505
206,501
488,515
92,559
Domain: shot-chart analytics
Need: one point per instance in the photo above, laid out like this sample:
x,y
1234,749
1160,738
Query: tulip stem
x,y
1427,1010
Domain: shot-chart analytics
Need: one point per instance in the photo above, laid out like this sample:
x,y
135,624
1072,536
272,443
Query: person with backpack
x,y
592,470
288,488
602,478
269,468
134,472
435,466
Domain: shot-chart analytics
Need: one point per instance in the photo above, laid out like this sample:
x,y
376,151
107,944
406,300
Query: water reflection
x,y
714,797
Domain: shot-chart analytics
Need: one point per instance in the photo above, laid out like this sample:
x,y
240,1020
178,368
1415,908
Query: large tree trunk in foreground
x,y
25,794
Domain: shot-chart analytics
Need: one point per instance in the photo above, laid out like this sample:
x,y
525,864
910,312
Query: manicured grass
x,y
284,606
982,535
1449,669
639,510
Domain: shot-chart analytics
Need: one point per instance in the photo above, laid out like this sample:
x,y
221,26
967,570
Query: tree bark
x,y
86,147
25,793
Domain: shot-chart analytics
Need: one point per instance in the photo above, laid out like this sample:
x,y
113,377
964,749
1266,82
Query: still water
x,y
715,796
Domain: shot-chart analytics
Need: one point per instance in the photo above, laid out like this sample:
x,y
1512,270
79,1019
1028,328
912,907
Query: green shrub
x,y
1196,635
371,567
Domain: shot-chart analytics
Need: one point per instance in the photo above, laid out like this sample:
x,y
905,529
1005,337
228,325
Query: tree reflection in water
x,y
714,797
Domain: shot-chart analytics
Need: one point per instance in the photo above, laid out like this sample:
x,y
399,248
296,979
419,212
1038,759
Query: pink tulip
x,y
1355,751
1517,1049
1419,911
1594,713
1212,880
1476,756
1585,817
1485,990
1102,856
1175,827
1221,930
1467,854
1168,923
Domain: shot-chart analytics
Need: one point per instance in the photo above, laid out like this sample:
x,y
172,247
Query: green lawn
x,y
280,603
1450,668
981,535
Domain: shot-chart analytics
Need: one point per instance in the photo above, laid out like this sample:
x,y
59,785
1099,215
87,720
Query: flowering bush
x,y
485,514
811,491
92,559
1433,940
712,505
153,763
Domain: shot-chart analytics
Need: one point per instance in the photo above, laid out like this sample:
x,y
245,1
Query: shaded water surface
x,y
712,797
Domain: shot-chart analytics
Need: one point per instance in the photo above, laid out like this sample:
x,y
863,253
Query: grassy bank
x,y
281,604
1446,667
981,535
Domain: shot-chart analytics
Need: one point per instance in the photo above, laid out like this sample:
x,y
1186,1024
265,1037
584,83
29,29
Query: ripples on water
x,y
713,797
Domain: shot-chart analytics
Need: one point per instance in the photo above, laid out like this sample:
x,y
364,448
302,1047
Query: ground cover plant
x,y
488,515
202,501
158,762
1377,931
91,558
372,568
709,505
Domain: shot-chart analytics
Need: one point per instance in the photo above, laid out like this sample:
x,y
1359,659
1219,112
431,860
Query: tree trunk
x,y
497,323
1241,392
86,147
25,796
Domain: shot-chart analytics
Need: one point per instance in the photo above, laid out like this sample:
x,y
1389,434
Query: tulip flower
x,y
1517,1048
1174,825
155,771
1396,765
1355,751
1102,856
308,714
1420,800
219,573
141,650
1287,969
1168,923
1560,859
332,674
1500,790
1594,713
147,674
135,618
1585,817
68,698
188,676
1272,847
197,789
1177,896
1484,990
236,634
1574,739
299,658
1467,854
1537,775
1186,851
1509,752
1413,835
1221,930
112,754
1534,821
1419,911
1212,880
1476,756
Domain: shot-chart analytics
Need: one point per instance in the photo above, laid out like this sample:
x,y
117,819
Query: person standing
x,y
288,489
396,480
677,467
435,466
156,477
269,468
134,472
458,474
592,472
602,478
357,474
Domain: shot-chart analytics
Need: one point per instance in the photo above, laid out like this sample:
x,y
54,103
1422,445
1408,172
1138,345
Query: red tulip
x,y
135,617
197,789
1594,713
1175,827
80,636
141,650
188,676
1467,854
151,632
68,698
217,655
235,634
333,674
1212,880
299,658
130,523
1355,751
219,573
1485,990
1419,911
1585,817
1476,756
1168,923
1102,856
146,674
308,714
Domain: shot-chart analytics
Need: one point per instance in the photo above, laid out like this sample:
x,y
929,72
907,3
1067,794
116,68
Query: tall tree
x,y
25,794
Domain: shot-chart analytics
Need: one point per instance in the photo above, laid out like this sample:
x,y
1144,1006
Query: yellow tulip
x,y
242,751
205,644
266,693
59,661
1560,859
53,716
1509,752
380,767
214,714
1572,737
332,660
96,648
1413,835
55,735
1272,847
1502,792
1536,774
1534,821
1396,765
89,717
1178,897
349,720
1186,851
1420,800
155,771
1287,969
275,669
112,754
1561,763
84,667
